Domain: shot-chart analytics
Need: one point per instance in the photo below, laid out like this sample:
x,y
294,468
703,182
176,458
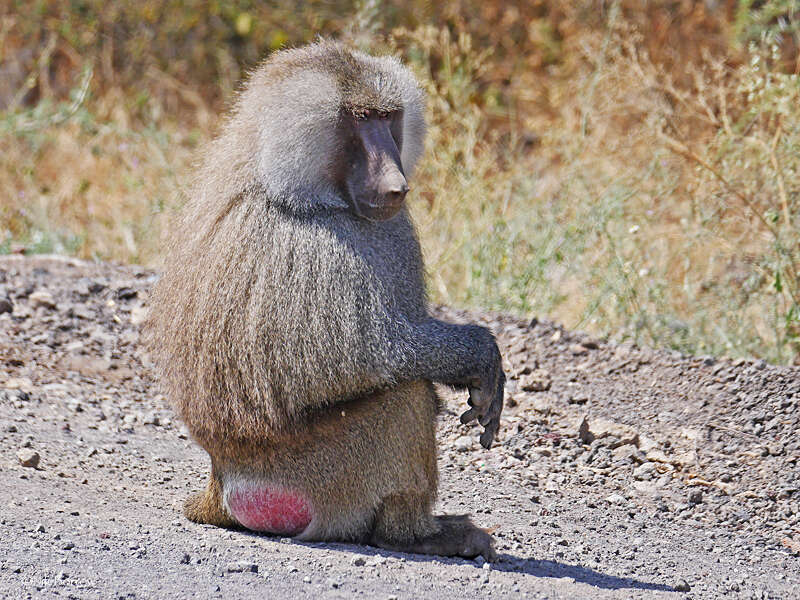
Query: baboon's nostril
x,y
397,193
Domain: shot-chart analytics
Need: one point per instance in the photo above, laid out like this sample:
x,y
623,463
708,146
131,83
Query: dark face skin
x,y
373,178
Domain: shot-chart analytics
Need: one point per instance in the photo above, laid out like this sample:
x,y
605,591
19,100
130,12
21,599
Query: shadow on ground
x,y
551,568
508,563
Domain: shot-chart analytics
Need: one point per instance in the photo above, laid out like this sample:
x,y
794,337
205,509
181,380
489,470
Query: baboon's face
x,y
371,173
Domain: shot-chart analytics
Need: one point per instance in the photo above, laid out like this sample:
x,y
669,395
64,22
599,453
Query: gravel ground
x,y
620,472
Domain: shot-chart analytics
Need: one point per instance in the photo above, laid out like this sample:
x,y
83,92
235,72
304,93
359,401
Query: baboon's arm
x,y
459,355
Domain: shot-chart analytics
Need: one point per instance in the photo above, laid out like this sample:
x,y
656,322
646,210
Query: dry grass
x,y
634,195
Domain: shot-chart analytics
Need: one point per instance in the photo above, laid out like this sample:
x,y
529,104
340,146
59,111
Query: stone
x,y
682,586
537,380
646,443
696,497
578,350
138,315
599,428
242,566
644,472
656,455
28,458
42,298
463,444
6,306
685,459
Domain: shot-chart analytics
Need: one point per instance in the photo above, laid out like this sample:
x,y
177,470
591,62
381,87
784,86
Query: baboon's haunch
x,y
291,327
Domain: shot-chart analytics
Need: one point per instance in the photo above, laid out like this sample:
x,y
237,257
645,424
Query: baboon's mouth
x,y
379,212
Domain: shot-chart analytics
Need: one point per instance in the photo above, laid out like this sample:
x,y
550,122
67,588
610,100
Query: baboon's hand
x,y
486,399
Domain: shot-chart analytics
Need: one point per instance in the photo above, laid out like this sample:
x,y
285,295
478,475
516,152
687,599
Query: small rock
x,y
242,566
463,443
39,528
6,306
536,381
42,298
615,499
599,428
185,559
776,449
657,455
579,398
646,444
685,459
67,545
138,315
682,586
644,472
126,293
359,561
578,350
28,458
696,497
151,418
95,287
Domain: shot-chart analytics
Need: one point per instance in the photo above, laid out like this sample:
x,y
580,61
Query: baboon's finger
x,y
478,399
468,416
487,437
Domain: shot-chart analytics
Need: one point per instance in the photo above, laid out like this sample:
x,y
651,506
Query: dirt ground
x,y
620,472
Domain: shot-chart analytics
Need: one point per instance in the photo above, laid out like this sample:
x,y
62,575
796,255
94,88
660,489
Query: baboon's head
x,y
336,129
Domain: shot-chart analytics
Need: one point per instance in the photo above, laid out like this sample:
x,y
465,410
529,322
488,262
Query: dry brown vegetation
x,y
631,172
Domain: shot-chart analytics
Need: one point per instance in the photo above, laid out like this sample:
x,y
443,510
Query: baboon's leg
x,y
364,471
456,536
206,506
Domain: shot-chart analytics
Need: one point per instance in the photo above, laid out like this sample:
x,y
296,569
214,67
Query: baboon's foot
x,y
457,536
206,507
270,509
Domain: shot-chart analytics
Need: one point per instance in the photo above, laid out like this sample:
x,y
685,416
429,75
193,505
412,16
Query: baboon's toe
x,y
457,536
193,507
206,508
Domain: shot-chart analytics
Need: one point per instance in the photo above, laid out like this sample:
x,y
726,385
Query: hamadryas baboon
x,y
290,325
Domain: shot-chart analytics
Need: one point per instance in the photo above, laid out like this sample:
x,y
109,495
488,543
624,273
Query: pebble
x,y
578,350
42,298
682,586
644,472
6,306
242,566
463,443
28,458
536,381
